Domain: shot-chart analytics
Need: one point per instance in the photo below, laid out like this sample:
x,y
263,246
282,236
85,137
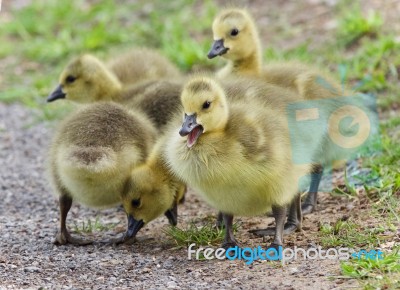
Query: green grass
x,y
375,273
182,40
205,234
352,235
373,65
40,39
384,208
386,164
353,25
42,48
47,34
384,201
92,226
348,190
364,267
372,273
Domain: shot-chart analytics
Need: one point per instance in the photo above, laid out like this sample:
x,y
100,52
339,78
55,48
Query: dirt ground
x,y
29,221
29,211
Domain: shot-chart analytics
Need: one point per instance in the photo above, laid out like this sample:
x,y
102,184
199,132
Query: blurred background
x,y
358,41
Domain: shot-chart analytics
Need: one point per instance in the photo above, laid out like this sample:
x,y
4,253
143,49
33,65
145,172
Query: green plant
x,y
90,227
375,273
353,25
347,190
350,234
206,234
43,35
185,42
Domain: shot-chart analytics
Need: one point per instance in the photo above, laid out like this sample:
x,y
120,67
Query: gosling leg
x,y
63,236
310,202
229,240
293,221
280,216
220,220
295,216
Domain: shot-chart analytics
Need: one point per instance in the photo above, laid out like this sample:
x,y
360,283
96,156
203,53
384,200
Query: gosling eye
x,y
70,79
206,105
135,202
234,32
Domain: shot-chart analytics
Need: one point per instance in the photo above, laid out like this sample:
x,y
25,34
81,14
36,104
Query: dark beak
x,y
188,125
134,227
56,94
217,49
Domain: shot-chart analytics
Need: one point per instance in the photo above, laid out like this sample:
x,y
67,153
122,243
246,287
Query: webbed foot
x,y
287,229
229,244
229,240
63,238
124,239
307,208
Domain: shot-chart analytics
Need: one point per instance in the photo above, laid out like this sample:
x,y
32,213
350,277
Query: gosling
x,y
91,157
131,68
86,80
235,150
237,40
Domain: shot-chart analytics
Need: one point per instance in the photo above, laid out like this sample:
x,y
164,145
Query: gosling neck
x,y
156,162
110,86
248,66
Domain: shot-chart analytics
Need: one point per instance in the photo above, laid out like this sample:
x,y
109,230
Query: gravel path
x,y
29,221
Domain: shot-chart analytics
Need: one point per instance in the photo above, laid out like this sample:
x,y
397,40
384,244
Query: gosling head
x,y
205,108
235,35
86,80
146,197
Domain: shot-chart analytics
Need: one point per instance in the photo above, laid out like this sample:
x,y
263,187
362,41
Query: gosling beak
x,y
189,123
217,49
56,94
192,129
134,226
